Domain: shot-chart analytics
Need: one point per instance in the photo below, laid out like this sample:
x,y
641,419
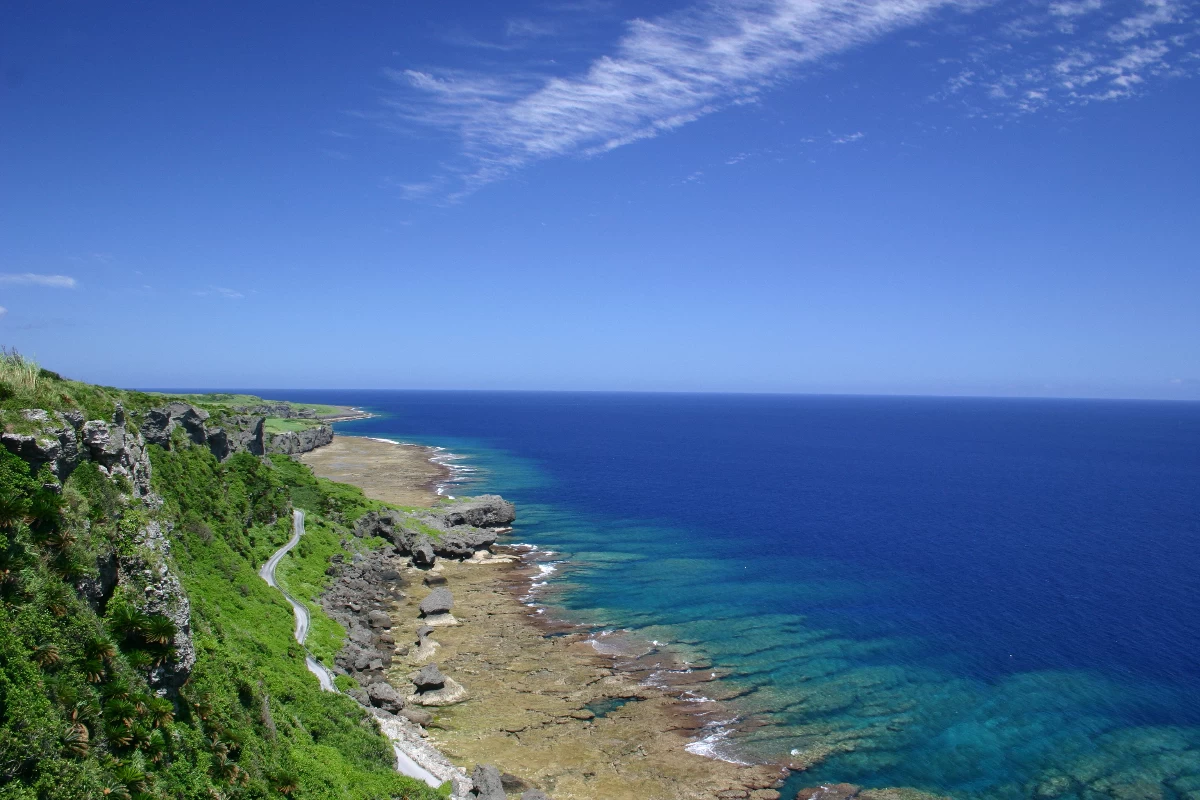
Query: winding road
x,y
404,762
267,573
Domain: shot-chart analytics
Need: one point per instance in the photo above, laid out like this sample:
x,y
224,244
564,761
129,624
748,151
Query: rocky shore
x,y
441,647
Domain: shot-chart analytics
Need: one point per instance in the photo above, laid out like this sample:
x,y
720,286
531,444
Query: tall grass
x,y
20,374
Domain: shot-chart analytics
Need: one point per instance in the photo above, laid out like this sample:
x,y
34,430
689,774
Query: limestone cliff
x,y
292,443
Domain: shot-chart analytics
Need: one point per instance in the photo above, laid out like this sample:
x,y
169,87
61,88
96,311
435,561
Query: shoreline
x,y
399,473
550,700
345,414
551,707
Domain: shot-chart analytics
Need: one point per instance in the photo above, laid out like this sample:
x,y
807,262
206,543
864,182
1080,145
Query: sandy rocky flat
x,y
529,693
394,473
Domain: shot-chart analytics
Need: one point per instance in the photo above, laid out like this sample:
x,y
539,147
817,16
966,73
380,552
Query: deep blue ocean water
x,y
974,597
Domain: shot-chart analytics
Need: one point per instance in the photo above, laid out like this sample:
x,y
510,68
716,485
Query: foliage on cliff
x,y
78,718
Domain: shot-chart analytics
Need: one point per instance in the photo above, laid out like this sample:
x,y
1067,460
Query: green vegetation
x,y
279,425
226,400
78,716
302,574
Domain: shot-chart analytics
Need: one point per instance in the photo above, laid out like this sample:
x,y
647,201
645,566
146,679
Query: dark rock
x,y
439,601
423,631
384,695
455,538
418,716
159,423
378,619
422,551
488,785
240,434
389,574
99,588
512,783
360,695
435,580
428,678
485,511
235,435
464,542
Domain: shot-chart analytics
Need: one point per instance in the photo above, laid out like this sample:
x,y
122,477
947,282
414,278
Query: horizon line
x,y
897,395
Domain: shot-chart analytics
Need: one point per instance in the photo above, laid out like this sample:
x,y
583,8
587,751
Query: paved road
x,y
299,611
404,763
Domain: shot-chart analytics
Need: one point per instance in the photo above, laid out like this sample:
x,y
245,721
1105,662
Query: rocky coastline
x,y
456,667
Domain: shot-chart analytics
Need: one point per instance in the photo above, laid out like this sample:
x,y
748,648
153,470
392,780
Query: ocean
x,y
980,598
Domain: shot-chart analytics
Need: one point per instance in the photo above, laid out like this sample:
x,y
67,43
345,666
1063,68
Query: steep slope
x,y
141,656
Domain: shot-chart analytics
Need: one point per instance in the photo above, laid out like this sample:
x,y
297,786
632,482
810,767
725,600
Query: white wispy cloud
x,y
3,311
35,279
1077,52
220,291
667,71
663,73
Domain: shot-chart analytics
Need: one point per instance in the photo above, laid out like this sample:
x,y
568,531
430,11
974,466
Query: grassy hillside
x,y
77,716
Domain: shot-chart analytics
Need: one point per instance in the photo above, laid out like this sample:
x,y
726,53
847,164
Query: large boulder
x,y
488,785
423,553
428,678
485,511
439,601
384,695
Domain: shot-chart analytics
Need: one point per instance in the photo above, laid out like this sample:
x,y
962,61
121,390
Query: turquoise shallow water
x,y
986,599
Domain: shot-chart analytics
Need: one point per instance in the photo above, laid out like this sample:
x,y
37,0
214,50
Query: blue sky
x,y
898,196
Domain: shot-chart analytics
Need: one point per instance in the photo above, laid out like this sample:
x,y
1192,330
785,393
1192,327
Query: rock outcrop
x,y
278,410
457,530
292,443
485,511
358,599
488,785
147,572
65,440
235,434
159,423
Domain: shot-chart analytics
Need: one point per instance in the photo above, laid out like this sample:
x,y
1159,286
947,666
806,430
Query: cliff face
x,y
236,434
63,440
140,567
290,443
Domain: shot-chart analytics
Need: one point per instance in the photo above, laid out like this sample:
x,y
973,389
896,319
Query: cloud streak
x,y
220,291
671,70
664,73
34,279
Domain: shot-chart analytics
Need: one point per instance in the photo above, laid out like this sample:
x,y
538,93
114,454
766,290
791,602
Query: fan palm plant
x,y
45,655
